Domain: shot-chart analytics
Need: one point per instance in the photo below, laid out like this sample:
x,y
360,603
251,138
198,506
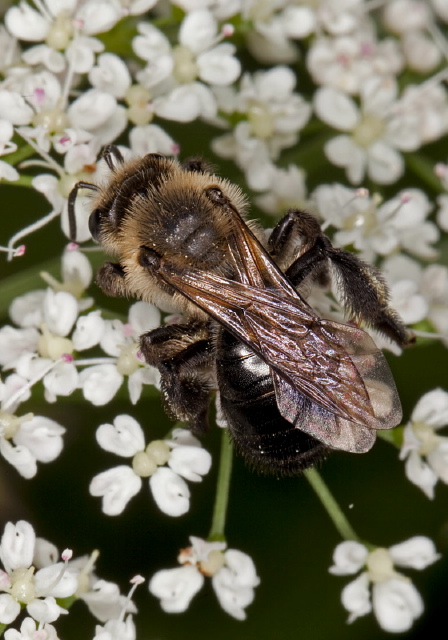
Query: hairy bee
x,y
293,386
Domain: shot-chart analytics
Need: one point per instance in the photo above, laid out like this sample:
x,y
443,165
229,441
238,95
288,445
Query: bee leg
x,y
184,356
197,165
111,279
364,293
112,151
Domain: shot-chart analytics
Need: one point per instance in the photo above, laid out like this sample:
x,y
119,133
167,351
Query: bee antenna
x,y
112,152
71,205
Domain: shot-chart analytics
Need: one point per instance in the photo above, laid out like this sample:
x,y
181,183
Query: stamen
x,y
135,581
65,556
43,154
93,361
438,37
17,395
428,334
83,578
16,253
27,230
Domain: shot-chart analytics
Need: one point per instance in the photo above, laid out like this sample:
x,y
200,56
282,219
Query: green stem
x,y
222,489
424,169
333,509
22,153
2,628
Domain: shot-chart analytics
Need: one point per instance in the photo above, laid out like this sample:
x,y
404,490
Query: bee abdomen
x,y
268,442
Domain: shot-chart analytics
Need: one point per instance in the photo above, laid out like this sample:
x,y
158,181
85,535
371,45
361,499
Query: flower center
x,y
22,585
51,346
261,120
128,362
429,440
53,120
215,561
10,424
369,129
185,67
380,566
61,32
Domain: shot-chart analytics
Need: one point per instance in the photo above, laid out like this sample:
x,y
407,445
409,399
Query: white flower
x,y
378,131
374,227
233,576
105,601
426,452
117,486
394,600
37,591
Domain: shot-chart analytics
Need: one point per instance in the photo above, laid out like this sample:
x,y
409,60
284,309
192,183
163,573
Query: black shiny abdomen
x,y
267,441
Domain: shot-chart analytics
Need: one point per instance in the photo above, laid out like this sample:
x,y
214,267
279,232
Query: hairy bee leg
x,y
112,151
364,291
197,165
111,280
184,355
365,295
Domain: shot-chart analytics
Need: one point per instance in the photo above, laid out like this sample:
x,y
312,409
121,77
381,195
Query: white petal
x,y
98,16
105,602
26,310
151,139
92,109
396,604
26,24
66,585
42,436
143,375
432,409
113,337
170,492
17,545
198,30
420,474
348,558
183,437
417,553
144,317
355,597
46,610
88,332
232,598
181,105
190,462
45,553
14,108
76,268
100,383
219,66
62,380
336,109
116,486
176,587
124,438
438,459
343,152
384,164
60,311
9,609
20,457
110,75
16,342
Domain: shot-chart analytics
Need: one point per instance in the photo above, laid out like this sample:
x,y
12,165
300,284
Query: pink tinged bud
x,y
67,357
20,251
228,30
405,198
362,192
440,170
67,555
137,580
72,246
39,95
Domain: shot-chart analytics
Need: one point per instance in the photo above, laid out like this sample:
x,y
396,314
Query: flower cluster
x,y
167,464
232,572
395,601
21,553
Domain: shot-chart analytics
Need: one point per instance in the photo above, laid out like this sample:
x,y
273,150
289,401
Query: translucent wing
x,y
336,366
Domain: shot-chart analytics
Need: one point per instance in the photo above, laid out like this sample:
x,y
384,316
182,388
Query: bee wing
x,y
338,367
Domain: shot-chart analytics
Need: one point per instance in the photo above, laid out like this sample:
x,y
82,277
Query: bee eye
x,y
95,224
216,195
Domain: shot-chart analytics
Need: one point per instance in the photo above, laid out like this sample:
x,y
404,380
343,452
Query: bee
x,y
292,386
